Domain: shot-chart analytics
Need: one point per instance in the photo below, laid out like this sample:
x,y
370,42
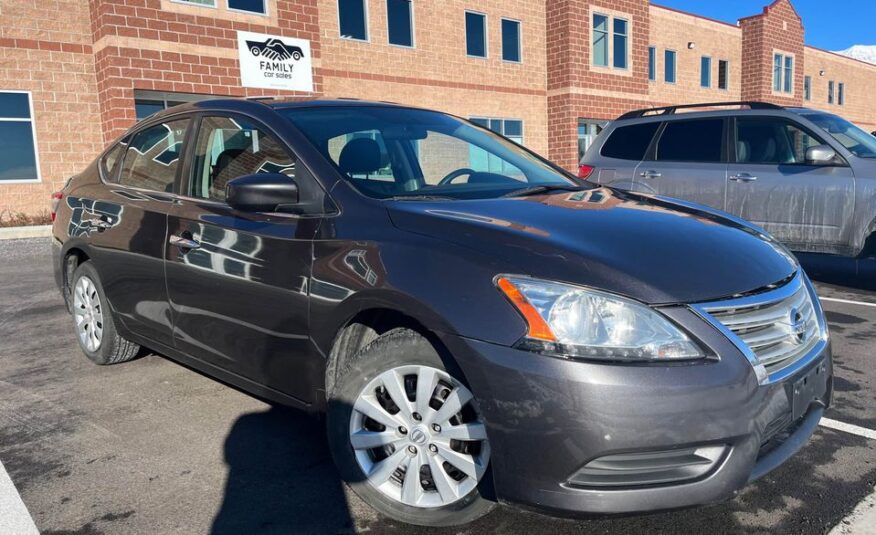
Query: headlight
x,y
578,322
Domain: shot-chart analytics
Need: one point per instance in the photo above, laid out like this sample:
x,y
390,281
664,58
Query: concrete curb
x,y
15,233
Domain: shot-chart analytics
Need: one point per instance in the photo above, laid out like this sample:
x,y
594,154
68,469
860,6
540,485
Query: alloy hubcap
x,y
88,314
418,438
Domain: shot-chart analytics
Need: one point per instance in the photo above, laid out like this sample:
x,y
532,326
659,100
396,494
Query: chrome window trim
x,y
764,298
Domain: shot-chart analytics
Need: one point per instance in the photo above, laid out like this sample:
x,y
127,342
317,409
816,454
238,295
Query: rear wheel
x,y
93,321
406,433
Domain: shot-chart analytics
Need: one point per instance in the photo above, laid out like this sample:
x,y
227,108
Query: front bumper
x,y
547,418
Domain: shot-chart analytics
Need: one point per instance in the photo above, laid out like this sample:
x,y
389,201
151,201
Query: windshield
x,y
859,142
389,152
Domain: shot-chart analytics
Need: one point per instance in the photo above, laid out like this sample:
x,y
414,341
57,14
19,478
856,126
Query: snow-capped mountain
x,y
862,52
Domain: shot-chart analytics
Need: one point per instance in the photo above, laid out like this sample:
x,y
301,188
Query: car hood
x,y
648,248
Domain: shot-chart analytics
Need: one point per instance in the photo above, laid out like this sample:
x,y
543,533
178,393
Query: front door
x,y
808,207
238,281
687,162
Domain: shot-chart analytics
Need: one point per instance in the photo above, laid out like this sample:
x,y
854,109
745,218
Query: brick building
x,y
547,73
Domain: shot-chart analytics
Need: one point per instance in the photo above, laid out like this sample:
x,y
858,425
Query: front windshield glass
x,y
389,152
859,142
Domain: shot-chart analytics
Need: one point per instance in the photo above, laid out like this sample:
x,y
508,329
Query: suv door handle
x,y
650,174
743,177
183,243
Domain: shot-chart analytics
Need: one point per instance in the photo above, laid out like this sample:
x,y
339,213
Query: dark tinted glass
x,y
352,19
145,108
669,66
108,163
513,128
510,40
254,6
398,13
652,63
691,141
153,156
475,35
723,74
630,142
17,155
14,106
771,140
620,43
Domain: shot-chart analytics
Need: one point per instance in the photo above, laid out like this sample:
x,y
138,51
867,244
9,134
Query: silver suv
x,y
806,176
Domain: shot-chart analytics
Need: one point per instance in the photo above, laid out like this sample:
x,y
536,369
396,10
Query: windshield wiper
x,y
421,197
535,190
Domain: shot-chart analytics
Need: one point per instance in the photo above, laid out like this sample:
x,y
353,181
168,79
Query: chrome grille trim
x,y
762,327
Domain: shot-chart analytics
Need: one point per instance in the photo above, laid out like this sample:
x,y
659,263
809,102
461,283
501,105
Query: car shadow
x,y
858,273
281,478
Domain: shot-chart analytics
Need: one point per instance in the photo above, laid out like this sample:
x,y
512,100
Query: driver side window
x,y
231,147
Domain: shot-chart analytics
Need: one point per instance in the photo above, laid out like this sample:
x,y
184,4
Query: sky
x,y
832,25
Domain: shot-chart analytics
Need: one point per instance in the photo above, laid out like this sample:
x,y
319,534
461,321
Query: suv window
x,y
153,156
630,142
231,147
772,140
110,159
691,141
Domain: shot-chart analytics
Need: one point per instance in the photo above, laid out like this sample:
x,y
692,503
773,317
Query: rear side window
x,y
691,141
630,142
109,161
153,156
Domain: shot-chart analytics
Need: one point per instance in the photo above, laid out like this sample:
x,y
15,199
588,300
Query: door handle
x,y
650,174
743,177
183,243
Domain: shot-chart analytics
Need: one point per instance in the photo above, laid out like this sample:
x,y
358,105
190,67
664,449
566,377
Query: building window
x,y
353,19
248,6
830,88
807,88
475,34
841,94
617,53
652,63
510,40
510,128
18,152
400,22
147,103
783,73
669,66
588,129
706,72
723,74
208,3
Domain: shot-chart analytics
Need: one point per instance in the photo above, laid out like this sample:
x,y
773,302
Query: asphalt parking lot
x,y
153,447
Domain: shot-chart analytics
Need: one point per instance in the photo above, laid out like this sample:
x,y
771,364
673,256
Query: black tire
x,y
113,349
392,349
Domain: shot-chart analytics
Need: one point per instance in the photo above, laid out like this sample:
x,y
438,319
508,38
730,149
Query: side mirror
x,y
820,155
268,192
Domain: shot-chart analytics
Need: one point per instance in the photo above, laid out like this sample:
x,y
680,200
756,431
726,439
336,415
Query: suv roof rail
x,y
670,110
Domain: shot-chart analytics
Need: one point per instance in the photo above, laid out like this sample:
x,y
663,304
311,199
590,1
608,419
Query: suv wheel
x,y
93,321
406,433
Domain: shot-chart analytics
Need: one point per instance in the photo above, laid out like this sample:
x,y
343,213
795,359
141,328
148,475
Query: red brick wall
x,y
778,28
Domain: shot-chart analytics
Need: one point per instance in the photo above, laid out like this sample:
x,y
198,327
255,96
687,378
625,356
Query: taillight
x,y
56,200
584,171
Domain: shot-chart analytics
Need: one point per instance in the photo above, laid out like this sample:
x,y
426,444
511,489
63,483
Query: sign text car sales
x,y
275,62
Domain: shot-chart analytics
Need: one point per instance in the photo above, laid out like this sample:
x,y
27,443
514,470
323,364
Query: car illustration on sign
x,y
274,49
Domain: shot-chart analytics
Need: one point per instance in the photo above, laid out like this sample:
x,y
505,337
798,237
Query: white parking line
x,y
848,428
847,301
14,517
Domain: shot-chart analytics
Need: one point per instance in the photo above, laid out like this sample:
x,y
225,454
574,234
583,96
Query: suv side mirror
x,y
820,155
268,192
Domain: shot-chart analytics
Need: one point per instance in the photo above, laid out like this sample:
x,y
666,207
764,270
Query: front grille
x,y
778,327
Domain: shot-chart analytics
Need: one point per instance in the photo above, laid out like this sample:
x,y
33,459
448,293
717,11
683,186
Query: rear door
x,y
808,207
687,161
619,155
238,283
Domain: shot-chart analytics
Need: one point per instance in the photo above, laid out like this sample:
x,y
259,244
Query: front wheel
x,y
93,321
406,433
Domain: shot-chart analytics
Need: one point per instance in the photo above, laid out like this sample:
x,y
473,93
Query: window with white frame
x,y
669,74
400,22
353,19
18,152
706,72
475,34
208,3
511,40
807,88
610,41
723,74
481,160
510,128
652,63
249,6
783,73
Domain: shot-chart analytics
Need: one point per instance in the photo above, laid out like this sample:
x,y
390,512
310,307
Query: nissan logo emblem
x,y
418,436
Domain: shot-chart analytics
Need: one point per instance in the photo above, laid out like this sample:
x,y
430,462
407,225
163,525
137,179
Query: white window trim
x,y
807,98
718,80
486,34
656,70
413,28
36,151
781,91
503,119
212,5
674,66
519,40
711,63
612,16
245,12
367,24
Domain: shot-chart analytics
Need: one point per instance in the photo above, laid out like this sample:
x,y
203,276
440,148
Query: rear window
x,y
630,142
691,141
